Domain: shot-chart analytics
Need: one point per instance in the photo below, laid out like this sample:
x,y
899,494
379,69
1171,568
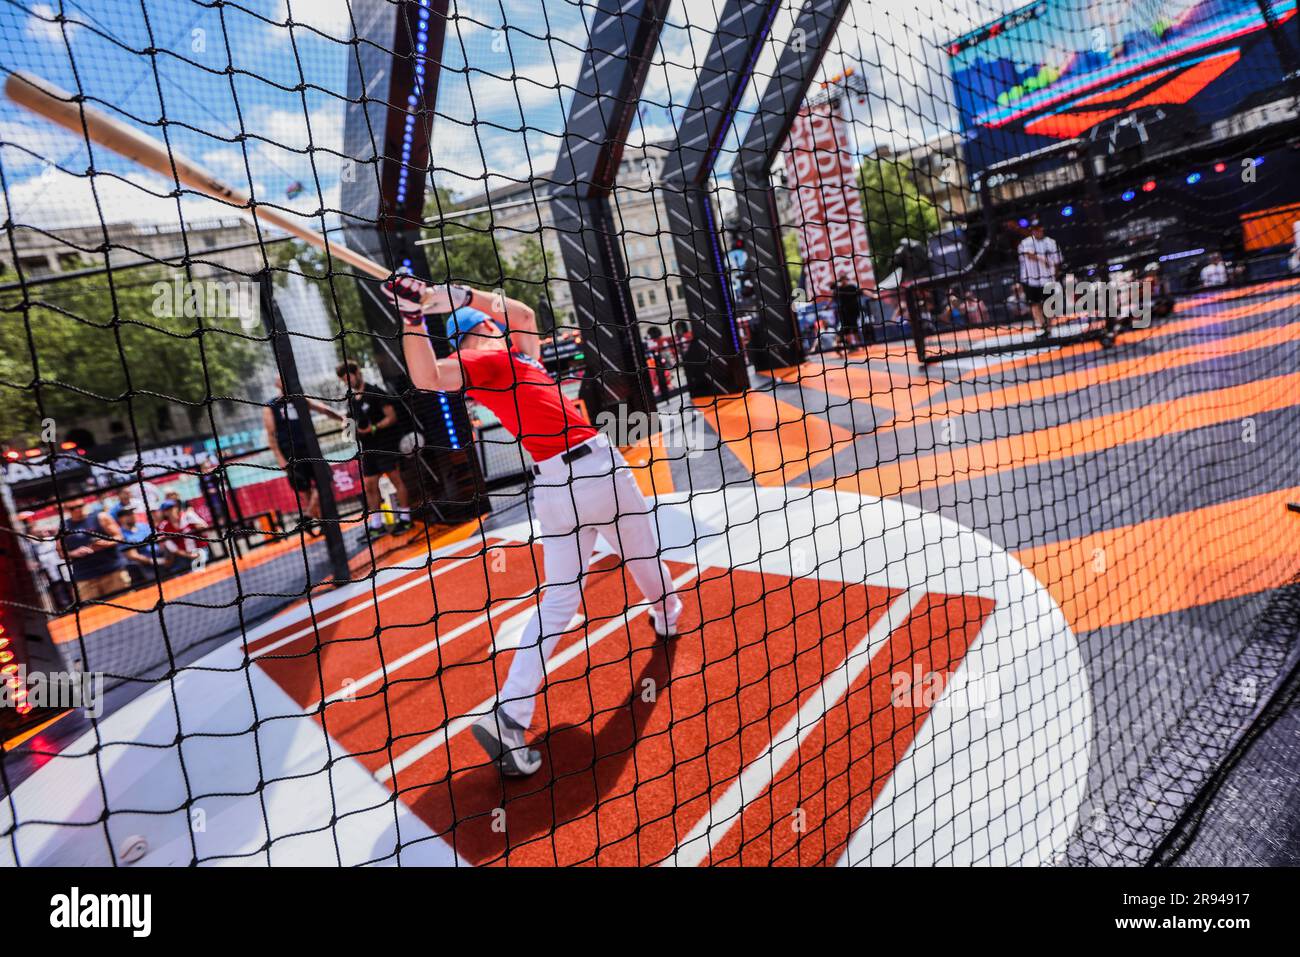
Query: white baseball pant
x,y
574,502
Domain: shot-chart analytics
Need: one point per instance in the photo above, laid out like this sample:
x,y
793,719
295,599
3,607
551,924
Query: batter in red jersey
x,y
582,489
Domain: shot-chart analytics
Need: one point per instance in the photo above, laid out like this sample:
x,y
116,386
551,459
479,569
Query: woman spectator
x,y
180,536
973,309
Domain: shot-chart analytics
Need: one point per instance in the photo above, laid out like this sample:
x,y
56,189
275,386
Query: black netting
x,y
634,433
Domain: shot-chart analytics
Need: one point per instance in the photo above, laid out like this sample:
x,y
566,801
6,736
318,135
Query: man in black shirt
x,y
287,440
379,428
848,308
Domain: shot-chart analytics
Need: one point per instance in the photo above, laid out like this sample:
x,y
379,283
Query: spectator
x,y
1017,303
848,312
136,547
180,537
973,309
45,539
1040,263
221,500
953,313
89,543
1215,272
120,502
1162,301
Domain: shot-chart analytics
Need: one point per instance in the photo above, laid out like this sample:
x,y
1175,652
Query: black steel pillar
x,y
392,89
624,34
322,474
774,341
716,366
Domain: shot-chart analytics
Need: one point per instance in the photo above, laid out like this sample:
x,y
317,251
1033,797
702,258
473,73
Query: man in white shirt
x,y
1040,261
1215,272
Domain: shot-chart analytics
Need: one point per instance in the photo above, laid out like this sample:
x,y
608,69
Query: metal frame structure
x,y
715,365
392,90
774,338
624,34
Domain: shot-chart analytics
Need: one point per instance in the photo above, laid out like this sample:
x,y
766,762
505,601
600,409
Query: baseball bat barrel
x,y
59,106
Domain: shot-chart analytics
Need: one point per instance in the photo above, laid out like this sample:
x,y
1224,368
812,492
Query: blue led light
x,y
1022,223
452,437
1067,210
1127,195
1193,179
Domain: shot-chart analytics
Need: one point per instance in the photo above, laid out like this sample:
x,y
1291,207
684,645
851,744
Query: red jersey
x,y
529,403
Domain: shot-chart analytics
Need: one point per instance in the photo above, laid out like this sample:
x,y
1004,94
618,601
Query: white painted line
x,y
374,599
390,668
454,727
339,596
757,775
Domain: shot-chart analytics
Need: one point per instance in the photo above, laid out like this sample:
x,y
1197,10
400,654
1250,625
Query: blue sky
x,y
515,81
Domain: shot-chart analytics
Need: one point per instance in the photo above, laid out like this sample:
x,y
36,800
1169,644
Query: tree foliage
x,y
471,251
111,346
895,208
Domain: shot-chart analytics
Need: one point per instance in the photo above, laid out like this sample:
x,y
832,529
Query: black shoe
x,y
399,528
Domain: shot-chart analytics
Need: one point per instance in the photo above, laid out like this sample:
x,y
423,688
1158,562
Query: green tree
x,y
895,208
339,290
793,261
469,251
118,346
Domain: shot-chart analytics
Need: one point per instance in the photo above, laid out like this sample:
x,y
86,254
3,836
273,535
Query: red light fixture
x,y
1148,186
1220,167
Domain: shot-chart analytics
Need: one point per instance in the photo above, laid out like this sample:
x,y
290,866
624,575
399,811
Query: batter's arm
x,y
427,371
519,318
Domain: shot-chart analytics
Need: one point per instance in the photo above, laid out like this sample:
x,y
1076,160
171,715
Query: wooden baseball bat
x,y
47,100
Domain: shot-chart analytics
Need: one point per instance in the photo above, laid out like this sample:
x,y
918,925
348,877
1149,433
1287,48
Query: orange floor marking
x,y
32,732
776,440
1163,328
1145,364
1074,438
1169,564
70,627
649,462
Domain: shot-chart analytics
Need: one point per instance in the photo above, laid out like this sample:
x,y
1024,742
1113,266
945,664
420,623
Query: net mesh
x,y
295,583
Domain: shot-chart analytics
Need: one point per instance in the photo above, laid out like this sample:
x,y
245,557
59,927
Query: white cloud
x,y
58,200
41,26
331,17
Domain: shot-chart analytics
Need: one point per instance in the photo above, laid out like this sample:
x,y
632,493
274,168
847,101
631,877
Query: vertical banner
x,y
832,229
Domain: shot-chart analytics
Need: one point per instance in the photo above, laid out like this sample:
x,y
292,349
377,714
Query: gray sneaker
x,y
503,740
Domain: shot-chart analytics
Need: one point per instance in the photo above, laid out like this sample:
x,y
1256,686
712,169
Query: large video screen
x,y
1055,69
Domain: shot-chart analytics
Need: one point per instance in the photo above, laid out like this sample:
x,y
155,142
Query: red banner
x,y
827,203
